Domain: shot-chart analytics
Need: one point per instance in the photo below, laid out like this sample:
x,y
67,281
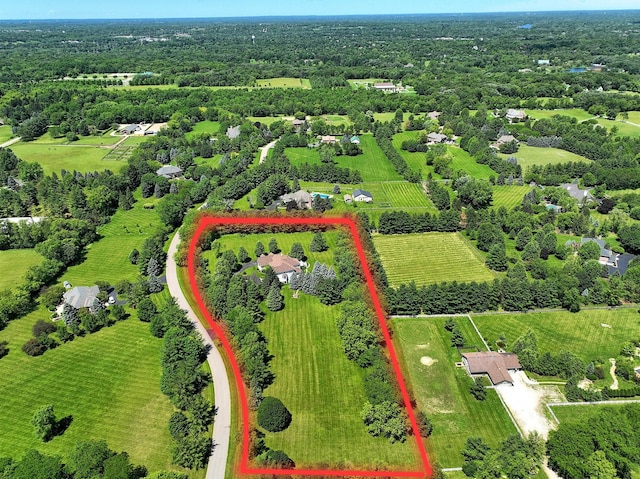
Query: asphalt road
x,y
222,425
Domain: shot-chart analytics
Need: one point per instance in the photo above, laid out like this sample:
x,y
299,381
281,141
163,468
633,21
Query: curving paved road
x,y
222,425
7,144
264,151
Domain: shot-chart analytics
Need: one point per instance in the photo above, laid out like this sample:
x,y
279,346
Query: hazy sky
x,y
36,9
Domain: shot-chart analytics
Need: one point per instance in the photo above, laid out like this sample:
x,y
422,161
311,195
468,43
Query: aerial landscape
x,y
319,239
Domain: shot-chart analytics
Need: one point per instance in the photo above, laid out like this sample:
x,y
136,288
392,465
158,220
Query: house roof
x,y
386,84
169,170
574,191
233,132
130,128
348,198
437,137
513,113
495,365
328,139
301,197
506,139
362,192
280,263
616,263
81,296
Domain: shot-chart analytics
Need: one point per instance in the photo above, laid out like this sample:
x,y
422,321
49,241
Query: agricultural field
x,y
529,156
284,83
56,157
509,196
577,113
429,258
108,258
442,390
116,369
324,392
590,334
15,263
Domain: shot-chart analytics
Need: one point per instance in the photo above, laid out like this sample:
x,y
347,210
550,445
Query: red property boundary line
x,y
207,222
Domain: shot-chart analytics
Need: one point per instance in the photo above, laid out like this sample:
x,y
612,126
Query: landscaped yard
x,y
108,258
529,155
442,390
108,382
429,258
14,264
581,333
509,196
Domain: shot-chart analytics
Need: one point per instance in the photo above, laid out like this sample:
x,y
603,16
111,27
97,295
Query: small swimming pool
x,y
322,195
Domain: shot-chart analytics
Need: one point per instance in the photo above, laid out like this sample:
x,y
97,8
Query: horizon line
x,y
358,15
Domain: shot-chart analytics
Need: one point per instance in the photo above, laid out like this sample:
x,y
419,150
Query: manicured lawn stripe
x,y
14,264
429,258
581,333
529,155
442,390
509,196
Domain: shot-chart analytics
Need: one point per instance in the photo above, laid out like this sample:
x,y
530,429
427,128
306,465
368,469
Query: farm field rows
x,y
509,196
529,155
116,370
442,390
581,333
19,260
429,258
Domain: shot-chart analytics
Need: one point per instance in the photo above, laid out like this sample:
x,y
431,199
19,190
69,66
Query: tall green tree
x,y
44,422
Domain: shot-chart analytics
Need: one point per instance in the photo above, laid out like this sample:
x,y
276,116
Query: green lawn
x,y
372,164
265,120
442,390
324,392
529,155
577,113
509,196
581,333
5,133
54,158
582,412
108,258
209,127
429,258
109,382
284,83
624,129
14,264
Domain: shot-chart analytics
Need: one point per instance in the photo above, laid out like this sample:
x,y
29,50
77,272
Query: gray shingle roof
x,y
81,296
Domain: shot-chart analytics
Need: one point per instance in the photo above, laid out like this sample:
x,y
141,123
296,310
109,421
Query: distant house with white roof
x,y
514,115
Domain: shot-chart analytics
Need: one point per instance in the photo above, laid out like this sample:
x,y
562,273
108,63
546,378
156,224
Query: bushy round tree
x,y
273,415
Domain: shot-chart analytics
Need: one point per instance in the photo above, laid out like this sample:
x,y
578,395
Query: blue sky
x,y
50,9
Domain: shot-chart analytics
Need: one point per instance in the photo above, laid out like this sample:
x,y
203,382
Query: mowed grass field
x,y
509,196
5,133
581,333
529,156
324,392
108,382
54,158
429,258
582,412
442,390
577,113
284,83
14,264
108,258
208,127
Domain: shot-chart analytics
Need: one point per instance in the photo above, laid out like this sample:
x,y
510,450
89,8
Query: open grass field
x,y
571,414
624,128
109,382
5,133
529,156
403,194
581,333
442,390
108,258
577,113
265,120
54,158
284,83
14,264
324,392
209,127
632,117
429,258
509,196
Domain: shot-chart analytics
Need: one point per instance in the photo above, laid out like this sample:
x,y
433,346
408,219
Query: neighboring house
x,y
129,129
387,87
362,195
348,199
302,198
233,132
615,262
575,192
436,138
544,62
328,139
282,265
355,140
298,124
502,140
81,296
495,365
433,115
169,171
515,115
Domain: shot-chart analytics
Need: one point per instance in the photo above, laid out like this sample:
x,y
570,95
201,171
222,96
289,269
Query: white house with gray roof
x,y
362,195
81,296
